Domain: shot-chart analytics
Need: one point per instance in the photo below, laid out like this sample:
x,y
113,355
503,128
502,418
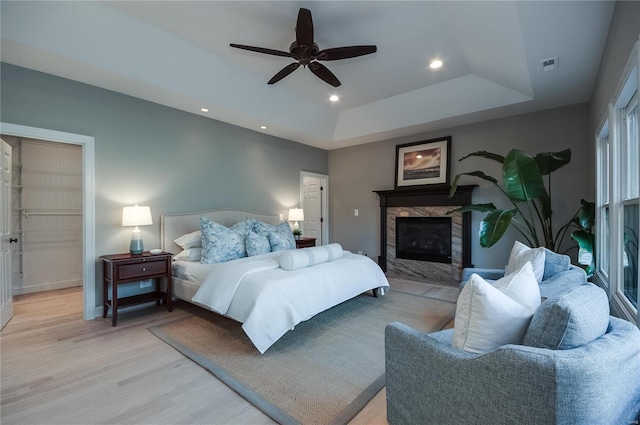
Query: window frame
x,y
615,127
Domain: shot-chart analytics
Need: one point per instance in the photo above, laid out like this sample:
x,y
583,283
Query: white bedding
x,y
268,300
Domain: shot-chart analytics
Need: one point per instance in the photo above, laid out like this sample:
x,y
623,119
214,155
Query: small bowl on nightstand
x,y
156,251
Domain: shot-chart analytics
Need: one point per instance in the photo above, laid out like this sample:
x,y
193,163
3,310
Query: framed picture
x,y
423,163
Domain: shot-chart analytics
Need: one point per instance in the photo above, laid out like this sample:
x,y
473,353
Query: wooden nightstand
x,y
305,242
124,268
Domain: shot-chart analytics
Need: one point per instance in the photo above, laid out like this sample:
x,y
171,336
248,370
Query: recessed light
x,y
334,98
204,109
264,127
435,64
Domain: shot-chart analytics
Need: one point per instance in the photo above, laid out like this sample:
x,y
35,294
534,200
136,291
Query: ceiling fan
x,y
307,53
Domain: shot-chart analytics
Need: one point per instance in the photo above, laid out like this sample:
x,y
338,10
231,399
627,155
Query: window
x,y
630,201
602,251
618,196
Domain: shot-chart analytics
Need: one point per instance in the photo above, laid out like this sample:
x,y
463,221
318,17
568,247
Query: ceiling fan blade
x,y
304,29
324,74
338,53
284,72
262,50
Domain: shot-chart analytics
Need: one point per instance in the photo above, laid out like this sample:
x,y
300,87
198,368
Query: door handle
x,y
12,240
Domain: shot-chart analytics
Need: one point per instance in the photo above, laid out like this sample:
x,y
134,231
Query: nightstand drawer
x,y
130,271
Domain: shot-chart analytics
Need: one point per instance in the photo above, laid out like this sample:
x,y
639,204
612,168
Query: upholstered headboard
x,y
172,226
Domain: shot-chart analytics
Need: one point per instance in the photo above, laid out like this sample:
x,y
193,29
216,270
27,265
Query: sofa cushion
x,y
486,317
520,254
554,263
569,320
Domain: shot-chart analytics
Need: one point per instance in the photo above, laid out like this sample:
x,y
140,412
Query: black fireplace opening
x,y
424,239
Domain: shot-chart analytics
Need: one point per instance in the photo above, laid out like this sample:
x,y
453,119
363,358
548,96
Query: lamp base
x,y
136,247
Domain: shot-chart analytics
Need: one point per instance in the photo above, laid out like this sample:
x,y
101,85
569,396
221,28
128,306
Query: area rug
x,y
322,372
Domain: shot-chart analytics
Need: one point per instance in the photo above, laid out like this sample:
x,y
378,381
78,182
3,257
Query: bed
x,y
257,291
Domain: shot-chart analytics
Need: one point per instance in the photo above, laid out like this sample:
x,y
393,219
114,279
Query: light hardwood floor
x,y
56,368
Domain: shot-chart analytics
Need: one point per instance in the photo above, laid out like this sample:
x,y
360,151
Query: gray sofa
x,y
576,365
560,276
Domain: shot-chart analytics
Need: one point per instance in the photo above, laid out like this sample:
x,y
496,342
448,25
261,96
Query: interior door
x,y
6,296
312,204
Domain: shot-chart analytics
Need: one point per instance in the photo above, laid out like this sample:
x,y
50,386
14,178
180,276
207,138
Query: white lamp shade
x,y
136,216
296,214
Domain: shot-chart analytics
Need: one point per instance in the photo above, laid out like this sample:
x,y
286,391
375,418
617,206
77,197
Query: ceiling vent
x,y
549,64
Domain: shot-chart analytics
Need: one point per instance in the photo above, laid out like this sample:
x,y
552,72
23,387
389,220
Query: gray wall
x,y
154,155
357,171
623,33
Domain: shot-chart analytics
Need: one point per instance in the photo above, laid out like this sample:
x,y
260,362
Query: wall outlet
x,y
146,283
359,252
281,217
356,212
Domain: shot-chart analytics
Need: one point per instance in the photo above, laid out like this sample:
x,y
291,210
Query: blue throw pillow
x,y
282,238
257,244
555,263
220,243
569,320
244,227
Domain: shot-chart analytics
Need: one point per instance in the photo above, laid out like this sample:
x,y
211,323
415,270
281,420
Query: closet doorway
x,y
86,258
46,216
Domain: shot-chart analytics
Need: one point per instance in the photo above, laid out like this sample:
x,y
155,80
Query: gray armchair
x,y
562,374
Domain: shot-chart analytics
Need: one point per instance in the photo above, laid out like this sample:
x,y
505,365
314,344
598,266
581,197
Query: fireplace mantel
x,y
436,196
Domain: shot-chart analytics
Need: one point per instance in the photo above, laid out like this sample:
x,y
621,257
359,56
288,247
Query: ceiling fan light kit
x,y
307,53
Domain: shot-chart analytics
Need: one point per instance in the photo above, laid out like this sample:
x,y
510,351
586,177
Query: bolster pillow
x,y
307,257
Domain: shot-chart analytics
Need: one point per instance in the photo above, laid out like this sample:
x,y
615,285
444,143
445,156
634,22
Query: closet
x,y
46,216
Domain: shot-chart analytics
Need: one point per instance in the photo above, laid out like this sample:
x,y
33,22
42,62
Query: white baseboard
x,y
49,286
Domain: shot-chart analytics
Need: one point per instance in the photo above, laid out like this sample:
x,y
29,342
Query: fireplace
x,y
420,239
424,239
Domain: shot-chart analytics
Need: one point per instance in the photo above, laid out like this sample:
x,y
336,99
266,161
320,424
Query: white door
x,y
6,297
312,203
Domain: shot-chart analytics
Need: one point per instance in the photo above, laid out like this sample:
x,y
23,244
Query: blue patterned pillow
x,y
282,238
260,227
220,243
257,244
244,227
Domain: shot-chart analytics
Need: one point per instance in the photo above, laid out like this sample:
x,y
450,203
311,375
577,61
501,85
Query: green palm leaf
x,y
480,174
586,217
522,179
474,207
485,154
548,162
494,225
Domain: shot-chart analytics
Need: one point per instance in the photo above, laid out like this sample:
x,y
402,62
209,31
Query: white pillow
x,y
486,318
190,254
190,240
520,254
307,257
521,286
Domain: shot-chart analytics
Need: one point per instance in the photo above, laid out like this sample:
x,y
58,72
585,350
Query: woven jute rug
x,y
322,372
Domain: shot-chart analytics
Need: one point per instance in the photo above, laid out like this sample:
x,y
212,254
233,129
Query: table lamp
x,y
136,216
296,214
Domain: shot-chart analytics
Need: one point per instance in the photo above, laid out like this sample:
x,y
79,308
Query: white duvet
x,y
269,301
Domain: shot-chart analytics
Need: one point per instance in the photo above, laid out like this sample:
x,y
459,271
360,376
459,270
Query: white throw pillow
x,y
520,254
521,286
190,254
190,240
486,318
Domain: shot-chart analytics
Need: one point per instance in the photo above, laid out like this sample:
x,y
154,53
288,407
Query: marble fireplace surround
x,y
425,202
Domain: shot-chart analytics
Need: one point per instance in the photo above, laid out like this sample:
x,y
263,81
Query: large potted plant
x,y
531,215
